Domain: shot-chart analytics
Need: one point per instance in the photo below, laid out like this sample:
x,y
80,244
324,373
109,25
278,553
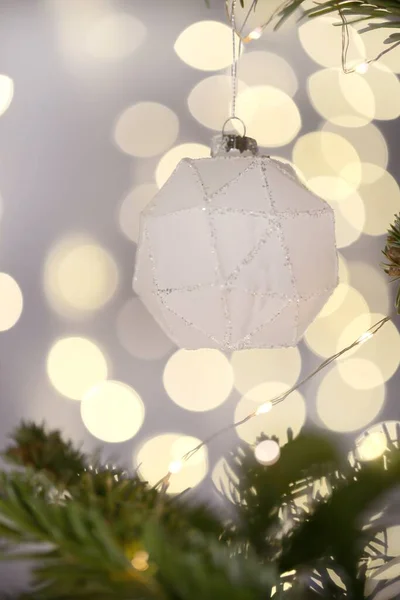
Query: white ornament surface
x,y
235,253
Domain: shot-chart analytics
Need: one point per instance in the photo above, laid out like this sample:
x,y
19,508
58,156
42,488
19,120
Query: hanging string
x,y
234,60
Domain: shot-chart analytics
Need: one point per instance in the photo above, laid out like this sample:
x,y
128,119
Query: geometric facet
x,y
309,240
235,253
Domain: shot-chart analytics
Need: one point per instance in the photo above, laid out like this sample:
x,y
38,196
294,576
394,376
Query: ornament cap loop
x,y
234,119
230,144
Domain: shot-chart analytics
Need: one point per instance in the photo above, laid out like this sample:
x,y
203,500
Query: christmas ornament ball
x,y
235,252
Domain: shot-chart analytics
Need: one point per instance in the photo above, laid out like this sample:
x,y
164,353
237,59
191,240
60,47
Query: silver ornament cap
x,y
228,144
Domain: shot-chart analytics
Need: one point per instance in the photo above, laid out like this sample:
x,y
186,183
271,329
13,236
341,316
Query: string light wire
x,y
346,44
176,466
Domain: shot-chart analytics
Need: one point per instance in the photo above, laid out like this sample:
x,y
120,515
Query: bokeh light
x,y
271,116
266,68
328,54
382,349
139,334
350,102
369,143
383,435
370,445
114,36
385,87
198,380
349,211
112,411
325,154
205,45
324,336
253,367
372,282
360,373
75,365
339,293
342,407
212,114
267,452
289,414
156,454
11,302
6,92
94,31
170,160
146,129
381,199
132,206
80,276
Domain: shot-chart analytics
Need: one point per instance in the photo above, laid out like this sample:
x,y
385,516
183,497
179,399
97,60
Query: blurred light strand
x,y
177,465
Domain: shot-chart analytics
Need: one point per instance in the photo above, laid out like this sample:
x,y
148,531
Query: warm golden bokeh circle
x,y
350,102
6,92
155,456
212,114
114,36
198,380
146,129
368,142
267,68
324,154
254,367
75,365
325,334
80,276
11,302
342,407
327,54
112,411
205,45
271,116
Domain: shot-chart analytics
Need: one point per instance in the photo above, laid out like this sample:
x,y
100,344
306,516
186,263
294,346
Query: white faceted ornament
x,y
235,253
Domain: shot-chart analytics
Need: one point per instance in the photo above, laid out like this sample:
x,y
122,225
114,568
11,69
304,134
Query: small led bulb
x,y
175,466
364,337
264,408
362,68
255,34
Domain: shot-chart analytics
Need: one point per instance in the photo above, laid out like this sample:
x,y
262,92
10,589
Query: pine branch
x,y
378,9
331,526
76,550
33,446
261,491
209,569
392,254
